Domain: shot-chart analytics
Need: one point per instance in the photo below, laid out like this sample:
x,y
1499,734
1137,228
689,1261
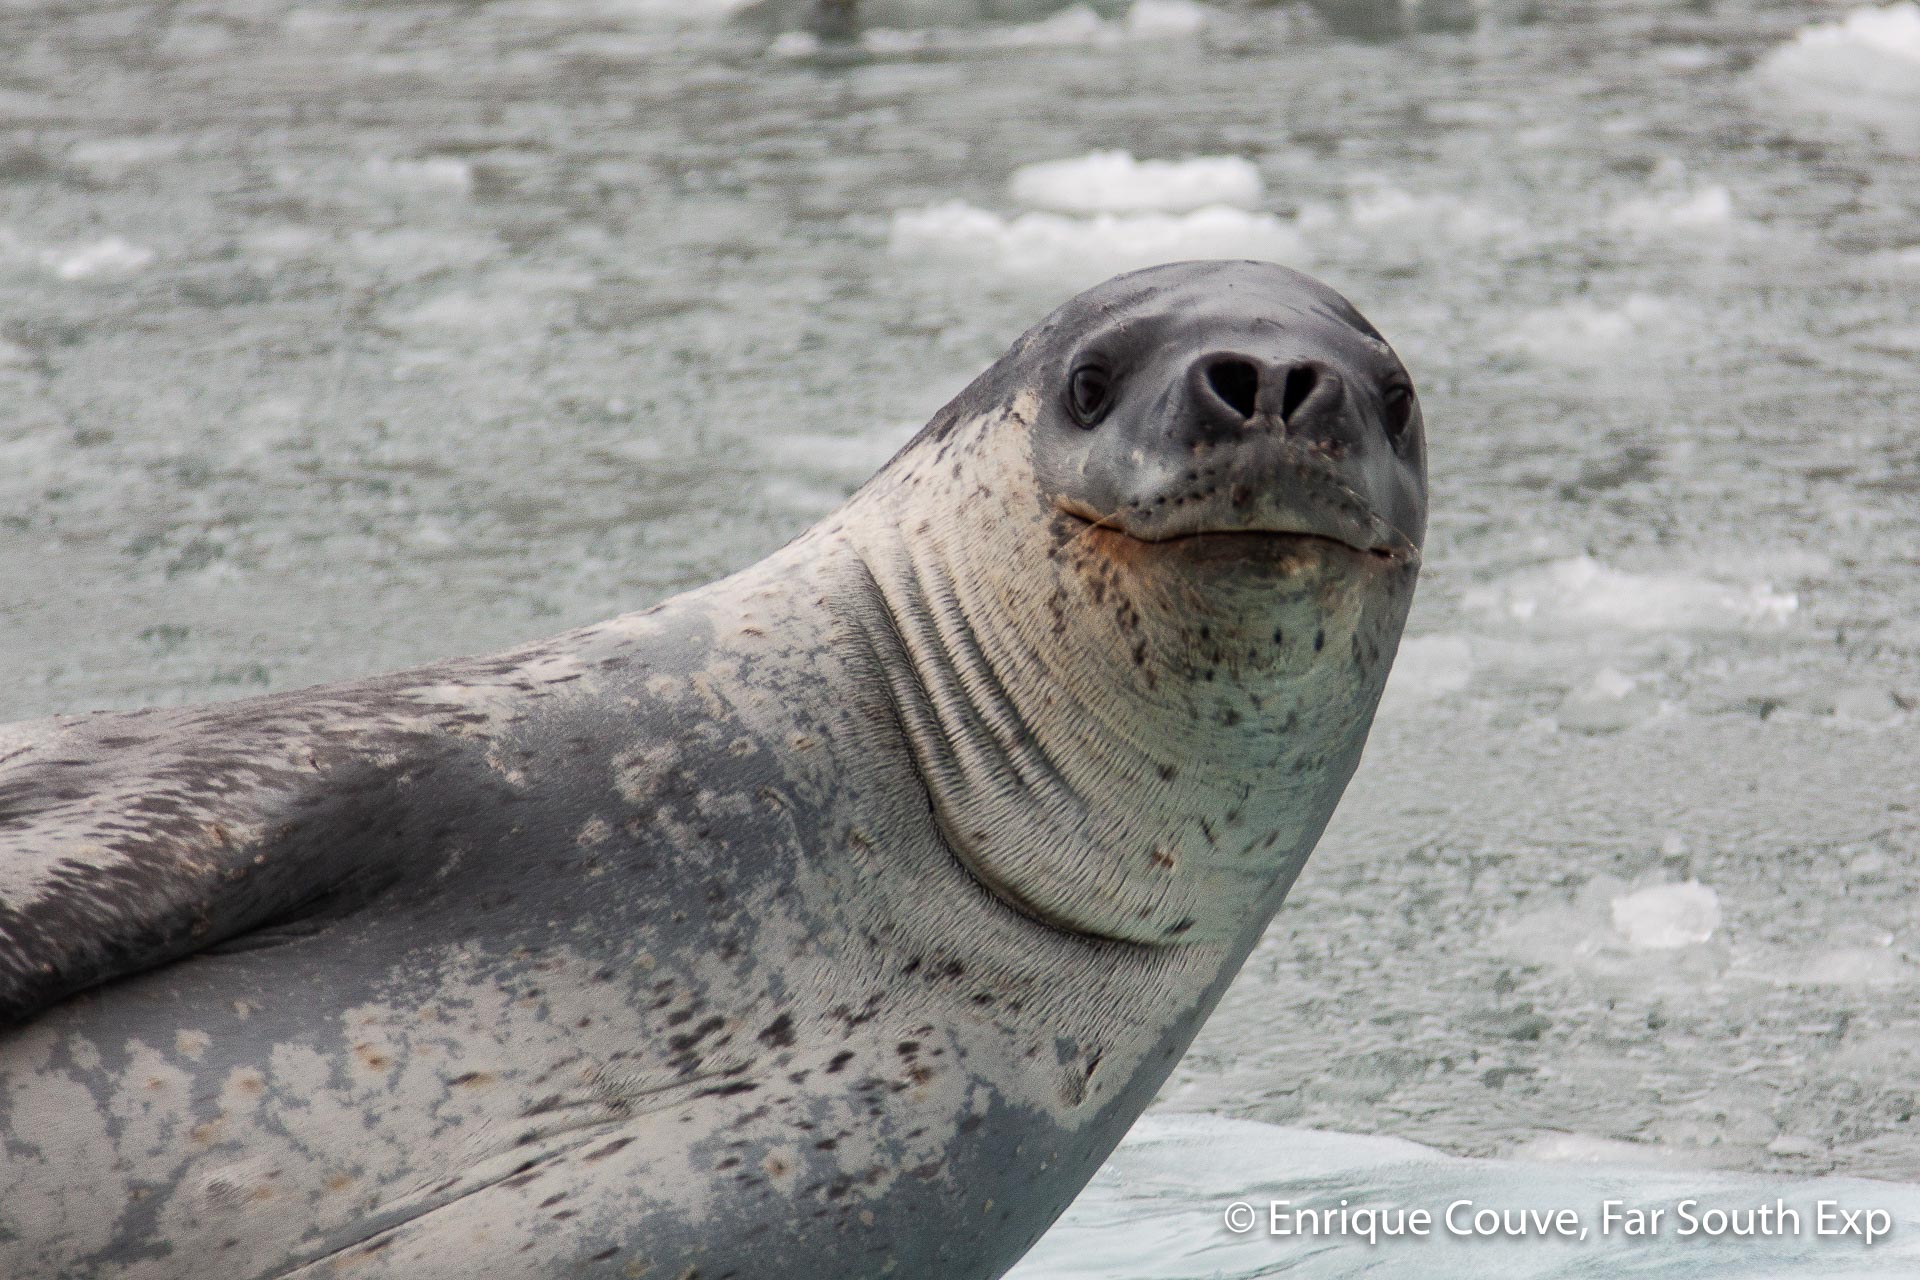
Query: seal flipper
x,y
131,840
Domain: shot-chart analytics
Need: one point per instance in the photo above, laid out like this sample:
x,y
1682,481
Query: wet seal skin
x,y
832,920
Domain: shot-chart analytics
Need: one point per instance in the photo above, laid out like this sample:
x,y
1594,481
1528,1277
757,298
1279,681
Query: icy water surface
x,y
336,337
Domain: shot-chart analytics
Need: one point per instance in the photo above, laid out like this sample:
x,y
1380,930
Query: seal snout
x,y
1229,398
1231,392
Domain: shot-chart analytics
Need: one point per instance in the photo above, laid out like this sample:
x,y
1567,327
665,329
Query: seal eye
x,y
1089,392
1399,415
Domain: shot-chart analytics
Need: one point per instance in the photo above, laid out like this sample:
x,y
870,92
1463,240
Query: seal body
x,y
835,919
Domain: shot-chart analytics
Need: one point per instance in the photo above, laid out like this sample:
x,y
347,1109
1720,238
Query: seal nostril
x,y
1237,382
1301,380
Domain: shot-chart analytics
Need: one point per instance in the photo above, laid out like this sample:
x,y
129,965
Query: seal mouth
x,y
1266,538
1267,495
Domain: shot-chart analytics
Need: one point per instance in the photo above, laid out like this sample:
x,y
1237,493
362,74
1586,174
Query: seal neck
x,y
1080,762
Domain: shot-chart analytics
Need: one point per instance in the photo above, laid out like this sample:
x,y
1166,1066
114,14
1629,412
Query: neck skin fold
x,y
1112,743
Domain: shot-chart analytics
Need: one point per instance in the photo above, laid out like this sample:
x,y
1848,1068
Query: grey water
x,y
341,336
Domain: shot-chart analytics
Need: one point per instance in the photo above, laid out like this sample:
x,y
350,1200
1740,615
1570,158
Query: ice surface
x,y
1115,182
1582,592
1430,667
1709,209
1156,1212
1082,251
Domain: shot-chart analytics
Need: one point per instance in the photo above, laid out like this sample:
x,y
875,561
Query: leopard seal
x,y
832,920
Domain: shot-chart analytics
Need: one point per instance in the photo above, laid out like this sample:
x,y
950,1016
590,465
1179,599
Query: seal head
x,y
1214,398
1185,539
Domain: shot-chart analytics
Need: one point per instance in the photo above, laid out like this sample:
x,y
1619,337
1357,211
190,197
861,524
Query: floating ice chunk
x,y
1870,50
436,173
1144,20
508,307
1388,208
103,258
1864,704
1430,667
408,253
1580,1148
1582,592
1852,967
1058,247
1667,916
1690,57
1076,25
1708,209
1587,333
1792,1145
1114,182
1899,340
275,246
1149,19
794,44
1612,702
671,12
1865,69
113,158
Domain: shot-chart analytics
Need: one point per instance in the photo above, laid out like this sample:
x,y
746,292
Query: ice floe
x,y
1066,250
1382,208
1591,333
1863,69
1429,667
1159,1208
1075,25
434,173
1610,702
1707,209
111,258
1869,967
1665,916
1115,182
1581,592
